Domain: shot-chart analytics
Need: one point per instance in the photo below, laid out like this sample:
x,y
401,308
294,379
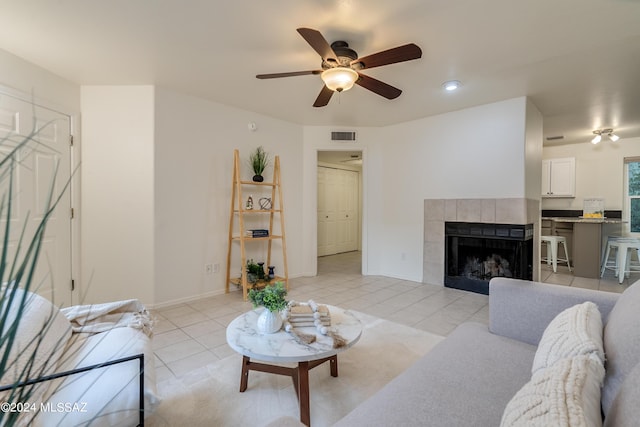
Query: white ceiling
x,y
578,60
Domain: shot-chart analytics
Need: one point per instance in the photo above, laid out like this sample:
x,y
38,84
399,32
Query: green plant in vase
x,y
259,160
271,297
253,271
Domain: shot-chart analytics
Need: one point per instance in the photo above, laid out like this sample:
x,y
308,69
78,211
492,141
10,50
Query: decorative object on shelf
x,y
259,160
249,204
265,203
261,275
272,272
258,232
253,272
272,298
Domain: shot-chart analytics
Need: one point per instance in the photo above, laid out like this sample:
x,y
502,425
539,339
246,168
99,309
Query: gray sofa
x,y
468,379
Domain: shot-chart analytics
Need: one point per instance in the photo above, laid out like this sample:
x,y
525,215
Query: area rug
x,y
209,396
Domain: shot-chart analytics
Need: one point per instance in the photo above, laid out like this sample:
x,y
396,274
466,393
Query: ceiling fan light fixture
x,y
613,137
339,79
596,139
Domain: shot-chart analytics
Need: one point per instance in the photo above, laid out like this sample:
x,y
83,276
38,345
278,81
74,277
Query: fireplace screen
x,y
476,253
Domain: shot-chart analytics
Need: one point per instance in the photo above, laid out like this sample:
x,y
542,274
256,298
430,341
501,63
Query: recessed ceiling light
x,y
451,85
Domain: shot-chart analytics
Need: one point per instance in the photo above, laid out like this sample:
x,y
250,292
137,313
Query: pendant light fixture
x,y
608,132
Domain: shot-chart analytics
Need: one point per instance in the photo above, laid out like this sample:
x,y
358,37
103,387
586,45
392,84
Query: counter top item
x,y
586,220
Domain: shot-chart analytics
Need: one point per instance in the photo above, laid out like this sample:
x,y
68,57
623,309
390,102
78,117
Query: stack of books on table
x,y
302,315
257,233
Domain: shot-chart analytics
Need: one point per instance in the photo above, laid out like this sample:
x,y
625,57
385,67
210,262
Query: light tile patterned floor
x,y
190,335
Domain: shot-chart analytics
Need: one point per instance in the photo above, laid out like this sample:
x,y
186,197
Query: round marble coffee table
x,y
282,347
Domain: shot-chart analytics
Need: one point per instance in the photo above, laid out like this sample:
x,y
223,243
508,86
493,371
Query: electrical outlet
x,y
208,268
216,268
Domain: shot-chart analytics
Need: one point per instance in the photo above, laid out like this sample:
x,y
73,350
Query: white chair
x,y
623,263
552,251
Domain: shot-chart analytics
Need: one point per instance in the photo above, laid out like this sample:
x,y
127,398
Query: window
x,y
632,193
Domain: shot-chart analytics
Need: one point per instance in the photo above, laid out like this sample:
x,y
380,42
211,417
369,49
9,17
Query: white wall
x,y
194,141
41,84
117,197
533,152
473,153
599,171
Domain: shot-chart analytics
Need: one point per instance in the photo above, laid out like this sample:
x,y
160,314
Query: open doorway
x,y
339,204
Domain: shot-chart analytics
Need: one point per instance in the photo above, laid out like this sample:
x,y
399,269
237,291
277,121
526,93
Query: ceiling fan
x,y
341,66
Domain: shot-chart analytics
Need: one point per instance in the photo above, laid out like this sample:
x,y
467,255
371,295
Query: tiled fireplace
x,y
437,212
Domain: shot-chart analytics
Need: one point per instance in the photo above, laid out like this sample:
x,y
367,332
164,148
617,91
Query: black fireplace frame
x,y
519,236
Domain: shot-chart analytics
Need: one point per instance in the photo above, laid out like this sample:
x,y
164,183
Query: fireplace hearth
x,y
477,252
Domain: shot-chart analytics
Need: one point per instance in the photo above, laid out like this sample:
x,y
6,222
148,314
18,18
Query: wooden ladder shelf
x,y
239,211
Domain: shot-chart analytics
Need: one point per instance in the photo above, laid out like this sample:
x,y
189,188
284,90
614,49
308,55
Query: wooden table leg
x,y
333,363
244,375
303,392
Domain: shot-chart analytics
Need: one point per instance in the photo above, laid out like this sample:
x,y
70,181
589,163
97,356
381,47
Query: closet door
x,y
327,226
338,210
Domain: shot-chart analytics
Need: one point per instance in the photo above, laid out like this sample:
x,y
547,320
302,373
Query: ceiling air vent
x,y
343,136
555,138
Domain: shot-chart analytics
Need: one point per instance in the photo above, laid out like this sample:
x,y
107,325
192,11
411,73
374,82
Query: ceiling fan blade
x,y
391,56
324,97
318,43
376,86
291,74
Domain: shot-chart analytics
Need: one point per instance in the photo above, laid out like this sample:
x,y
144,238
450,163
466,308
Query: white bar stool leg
x,y
605,259
566,254
622,261
554,256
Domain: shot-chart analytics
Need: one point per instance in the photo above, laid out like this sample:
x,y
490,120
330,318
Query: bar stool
x,y
622,263
552,248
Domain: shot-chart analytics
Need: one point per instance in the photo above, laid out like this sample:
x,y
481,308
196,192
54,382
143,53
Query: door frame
x,y
74,185
363,206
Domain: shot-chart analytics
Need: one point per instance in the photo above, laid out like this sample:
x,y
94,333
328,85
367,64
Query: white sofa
x,y
74,338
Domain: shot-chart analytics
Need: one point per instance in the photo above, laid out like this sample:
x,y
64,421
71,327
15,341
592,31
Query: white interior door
x,y
338,210
48,155
327,226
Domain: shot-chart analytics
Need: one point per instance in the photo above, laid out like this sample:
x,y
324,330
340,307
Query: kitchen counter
x,y
585,220
589,237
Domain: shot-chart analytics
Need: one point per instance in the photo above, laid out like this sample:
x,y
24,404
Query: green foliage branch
x,y
272,297
259,160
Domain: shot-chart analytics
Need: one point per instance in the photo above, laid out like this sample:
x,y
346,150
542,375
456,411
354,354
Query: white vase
x,y
269,322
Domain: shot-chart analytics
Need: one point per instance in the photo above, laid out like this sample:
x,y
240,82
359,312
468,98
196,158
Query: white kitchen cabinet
x,y
559,177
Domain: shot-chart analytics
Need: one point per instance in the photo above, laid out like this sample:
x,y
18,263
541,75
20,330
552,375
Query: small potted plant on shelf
x,y
259,160
272,298
253,271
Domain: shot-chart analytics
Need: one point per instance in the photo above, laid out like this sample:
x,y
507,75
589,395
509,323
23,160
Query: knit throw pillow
x,y
566,394
575,331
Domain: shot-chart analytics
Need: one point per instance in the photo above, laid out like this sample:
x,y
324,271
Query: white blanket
x,y
96,318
